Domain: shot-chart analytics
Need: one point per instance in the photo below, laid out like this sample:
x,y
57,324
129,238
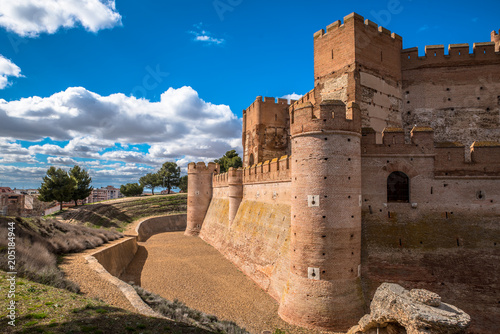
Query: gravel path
x,y
188,269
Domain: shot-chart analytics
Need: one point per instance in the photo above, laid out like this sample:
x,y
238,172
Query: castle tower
x,y
495,37
323,290
265,130
358,61
199,194
235,182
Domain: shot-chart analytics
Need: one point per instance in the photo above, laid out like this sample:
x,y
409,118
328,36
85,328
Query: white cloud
x,y
8,69
106,129
201,35
61,161
292,96
33,17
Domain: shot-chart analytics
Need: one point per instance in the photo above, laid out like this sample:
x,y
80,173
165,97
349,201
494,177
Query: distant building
x,y
103,194
5,190
166,192
32,192
12,204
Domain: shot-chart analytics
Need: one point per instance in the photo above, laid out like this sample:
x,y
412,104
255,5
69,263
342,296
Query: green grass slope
x,y
45,309
119,213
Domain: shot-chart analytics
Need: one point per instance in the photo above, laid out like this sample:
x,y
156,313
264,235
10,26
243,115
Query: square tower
x,y
265,130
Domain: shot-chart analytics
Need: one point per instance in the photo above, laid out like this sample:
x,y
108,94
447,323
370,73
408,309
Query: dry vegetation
x,y
40,242
50,308
44,309
178,311
118,214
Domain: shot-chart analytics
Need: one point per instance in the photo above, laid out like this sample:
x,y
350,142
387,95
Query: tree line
x,y
61,186
168,176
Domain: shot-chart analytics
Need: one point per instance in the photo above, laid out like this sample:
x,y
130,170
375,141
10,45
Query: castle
x,y
387,171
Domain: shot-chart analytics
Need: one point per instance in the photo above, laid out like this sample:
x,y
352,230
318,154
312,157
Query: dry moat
x,y
188,269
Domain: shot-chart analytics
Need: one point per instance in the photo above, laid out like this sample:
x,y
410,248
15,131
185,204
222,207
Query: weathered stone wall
x,y
456,257
446,239
457,94
257,240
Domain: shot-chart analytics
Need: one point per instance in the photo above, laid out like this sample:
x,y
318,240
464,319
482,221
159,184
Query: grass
x,y
179,312
40,243
61,311
118,214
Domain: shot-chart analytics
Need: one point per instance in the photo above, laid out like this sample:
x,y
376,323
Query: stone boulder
x,y
395,310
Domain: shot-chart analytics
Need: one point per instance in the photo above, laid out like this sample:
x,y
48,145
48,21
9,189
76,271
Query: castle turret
x,y
495,38
235,182
199,194
265,130
323,289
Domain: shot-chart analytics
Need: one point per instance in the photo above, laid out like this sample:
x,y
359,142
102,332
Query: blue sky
x,y
120,87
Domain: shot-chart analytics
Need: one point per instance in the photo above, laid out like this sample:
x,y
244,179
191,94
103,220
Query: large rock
x,y
396,310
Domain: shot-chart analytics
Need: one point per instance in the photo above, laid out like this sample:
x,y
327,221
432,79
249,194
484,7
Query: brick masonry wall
x,y
265,130
446,239
257,240
458,94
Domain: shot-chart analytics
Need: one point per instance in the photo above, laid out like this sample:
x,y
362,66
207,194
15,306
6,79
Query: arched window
x,y
250,160
398,187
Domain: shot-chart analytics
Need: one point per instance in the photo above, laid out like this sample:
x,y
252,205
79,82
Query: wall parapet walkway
x,y
276,170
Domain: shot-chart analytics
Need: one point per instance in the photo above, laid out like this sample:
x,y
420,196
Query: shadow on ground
x,y
132,274
101,320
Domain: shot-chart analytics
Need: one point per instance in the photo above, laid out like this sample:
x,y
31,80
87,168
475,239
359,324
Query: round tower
x,y
235,183
323,289
199,194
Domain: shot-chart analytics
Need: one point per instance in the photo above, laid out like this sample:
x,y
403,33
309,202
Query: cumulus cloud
x,y
202,35
107,130
92,122
292,96
33,17
8,69
21,175
61,161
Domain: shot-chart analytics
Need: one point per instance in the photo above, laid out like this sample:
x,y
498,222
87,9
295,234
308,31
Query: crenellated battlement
x,y
200,167
329,115
372,27
449,157
310,235
449,160
275,170
308,97
259,100
394,142
456,54
220,180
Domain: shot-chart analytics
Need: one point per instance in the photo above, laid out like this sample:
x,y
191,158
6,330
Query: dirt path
x,y
91,284
188,269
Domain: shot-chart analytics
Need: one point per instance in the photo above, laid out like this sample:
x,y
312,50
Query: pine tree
x,y
83,181
56,186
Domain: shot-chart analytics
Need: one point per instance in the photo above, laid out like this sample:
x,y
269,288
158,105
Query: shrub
x,y
179,312
38,242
